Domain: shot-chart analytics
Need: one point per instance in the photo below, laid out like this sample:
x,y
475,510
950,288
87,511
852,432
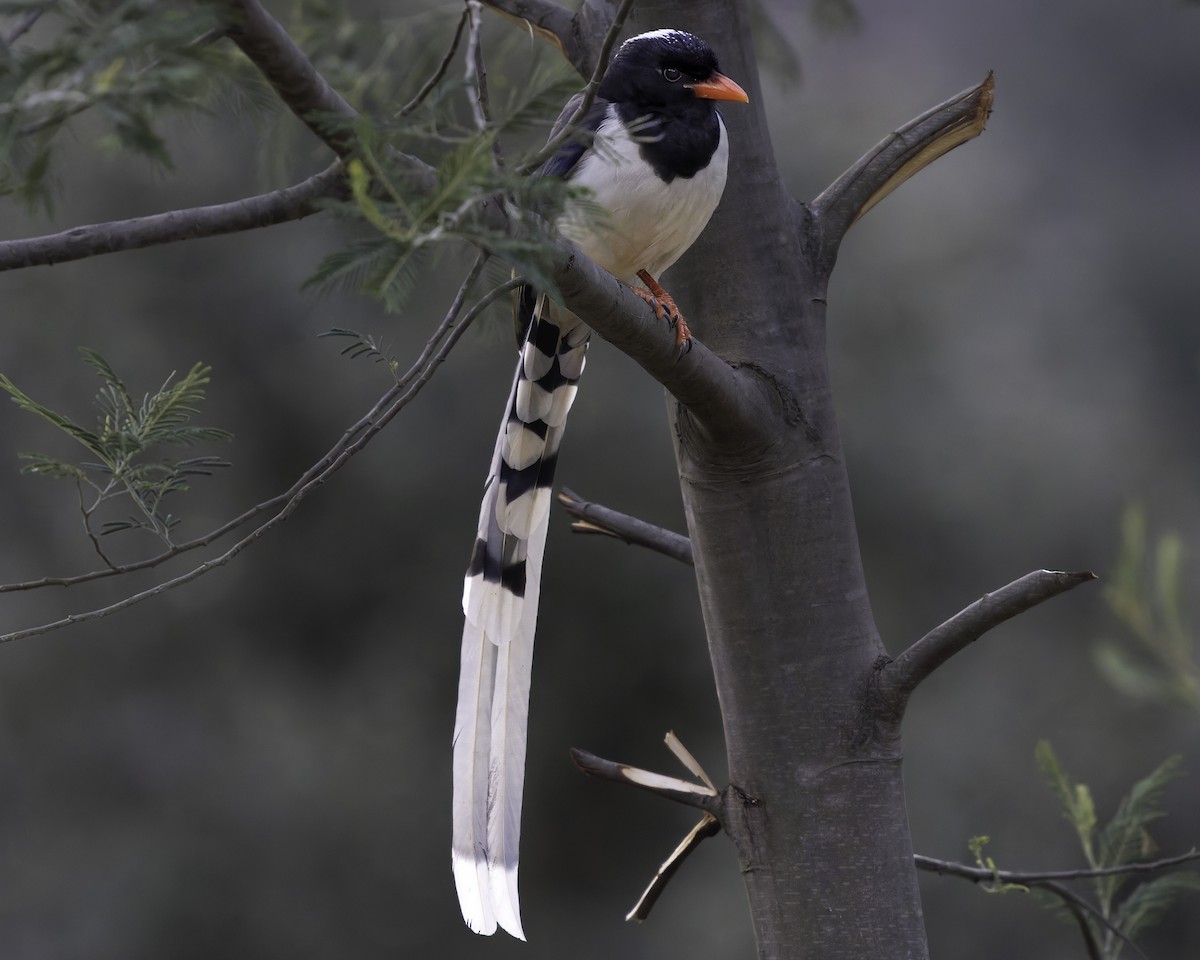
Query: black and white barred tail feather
x,y
500,599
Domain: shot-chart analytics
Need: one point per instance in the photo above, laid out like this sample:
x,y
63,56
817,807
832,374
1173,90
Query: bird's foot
x,y
664,308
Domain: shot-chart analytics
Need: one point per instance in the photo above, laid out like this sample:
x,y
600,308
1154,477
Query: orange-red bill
x,y
719,87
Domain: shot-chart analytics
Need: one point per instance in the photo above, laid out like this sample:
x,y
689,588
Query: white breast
x,y
650,223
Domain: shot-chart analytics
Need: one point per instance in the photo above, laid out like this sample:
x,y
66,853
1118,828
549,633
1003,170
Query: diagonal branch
x,y
899,156
707,826
730,404
279,206
901,676
299,84
594,518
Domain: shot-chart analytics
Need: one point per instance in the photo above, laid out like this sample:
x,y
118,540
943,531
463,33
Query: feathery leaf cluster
x,y
1123,840
1144,595
406,222
126,436
133,61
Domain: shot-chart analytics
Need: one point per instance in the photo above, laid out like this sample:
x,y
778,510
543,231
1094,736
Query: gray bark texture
x,y
823,840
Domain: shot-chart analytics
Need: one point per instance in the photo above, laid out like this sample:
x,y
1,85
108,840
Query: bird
x,y
653,152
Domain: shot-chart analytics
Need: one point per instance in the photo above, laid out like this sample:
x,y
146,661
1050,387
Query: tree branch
x,y
1027,877
579,37
440,72
902,675
594,518
728,403
307,94
545,19
279,206
900,155
1078,905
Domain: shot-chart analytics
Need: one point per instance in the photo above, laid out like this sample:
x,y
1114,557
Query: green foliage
x,y
406,220
364,345
124,440
1076,800
1157,660
1124,840
985,862
133,61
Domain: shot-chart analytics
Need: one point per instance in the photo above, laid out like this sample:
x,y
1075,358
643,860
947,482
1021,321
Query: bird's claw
x,y
666,309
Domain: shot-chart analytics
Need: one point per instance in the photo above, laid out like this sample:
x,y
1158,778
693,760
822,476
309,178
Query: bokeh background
x,y
258,765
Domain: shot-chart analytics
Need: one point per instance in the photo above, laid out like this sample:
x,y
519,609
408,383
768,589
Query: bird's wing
x,y
500,598
569,154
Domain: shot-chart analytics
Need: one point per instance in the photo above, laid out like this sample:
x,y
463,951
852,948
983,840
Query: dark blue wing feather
x,y
570,153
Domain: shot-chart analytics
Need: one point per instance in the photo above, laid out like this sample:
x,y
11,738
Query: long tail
x,y
500,601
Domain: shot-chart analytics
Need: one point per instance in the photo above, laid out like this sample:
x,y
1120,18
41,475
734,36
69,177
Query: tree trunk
x,y
822,834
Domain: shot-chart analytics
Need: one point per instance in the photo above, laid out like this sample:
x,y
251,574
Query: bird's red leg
x,y
664,307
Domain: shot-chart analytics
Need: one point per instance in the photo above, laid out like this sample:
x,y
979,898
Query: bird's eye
x,y
671,74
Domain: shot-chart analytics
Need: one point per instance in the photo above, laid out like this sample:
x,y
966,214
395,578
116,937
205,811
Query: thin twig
x,y
589,91
390,404
699,795
476,94
707,826
1027,877
1051,881
440,72
595,518
279,206
476,81
23,26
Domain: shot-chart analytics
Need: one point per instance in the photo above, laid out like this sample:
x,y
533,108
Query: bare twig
x,y
707,826
703,795
440,72
1028,877
279,206
589,91
23,26
475,76
390,404
594,518
1050,881
901,676
898,156
699,795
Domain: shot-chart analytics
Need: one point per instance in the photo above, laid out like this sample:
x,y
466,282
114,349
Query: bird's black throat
x,y
676,139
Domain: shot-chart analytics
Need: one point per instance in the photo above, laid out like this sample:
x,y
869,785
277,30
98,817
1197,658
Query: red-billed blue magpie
x,y
654,156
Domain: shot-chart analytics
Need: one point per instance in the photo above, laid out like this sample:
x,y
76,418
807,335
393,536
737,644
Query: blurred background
x,y
258,764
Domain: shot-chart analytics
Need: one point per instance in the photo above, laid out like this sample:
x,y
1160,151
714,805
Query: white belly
x,y
649,223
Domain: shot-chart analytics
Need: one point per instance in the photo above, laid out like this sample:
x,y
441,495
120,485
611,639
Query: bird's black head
x,y
666,68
